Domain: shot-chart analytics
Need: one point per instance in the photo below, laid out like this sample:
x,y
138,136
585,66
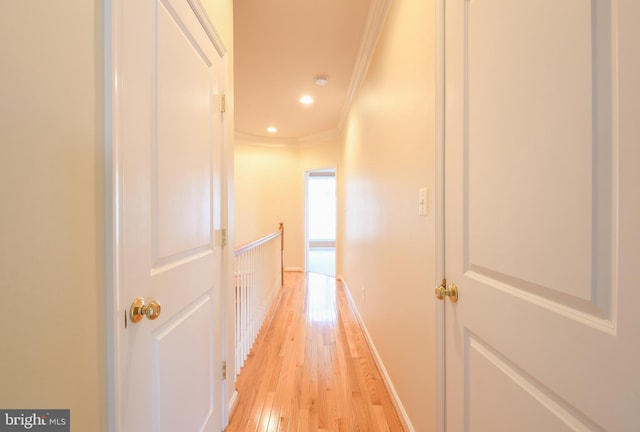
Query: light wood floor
x,y
312,370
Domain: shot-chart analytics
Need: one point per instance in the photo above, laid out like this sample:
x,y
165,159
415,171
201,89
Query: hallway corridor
x,y
311,368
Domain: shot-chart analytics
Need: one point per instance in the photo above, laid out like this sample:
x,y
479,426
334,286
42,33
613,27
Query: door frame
x,y
307,176
112,199
113,212
440,213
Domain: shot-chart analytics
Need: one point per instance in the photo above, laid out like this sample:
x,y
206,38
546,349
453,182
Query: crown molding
x,y
266,141
330,135
373,29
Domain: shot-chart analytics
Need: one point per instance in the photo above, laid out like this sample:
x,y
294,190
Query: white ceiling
x,y
280,46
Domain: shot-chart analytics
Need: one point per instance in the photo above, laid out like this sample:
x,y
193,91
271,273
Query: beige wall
x,y
52,247
52,276
387,249
267,192
269,188
314,156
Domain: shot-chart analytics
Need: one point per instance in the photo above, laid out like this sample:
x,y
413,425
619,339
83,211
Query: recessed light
x,y
307,100
272,129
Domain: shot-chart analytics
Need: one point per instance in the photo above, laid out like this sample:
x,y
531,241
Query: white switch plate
x,y
423,195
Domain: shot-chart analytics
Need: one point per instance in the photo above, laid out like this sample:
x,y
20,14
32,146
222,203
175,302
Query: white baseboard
x,y
294,269
385,375
233,402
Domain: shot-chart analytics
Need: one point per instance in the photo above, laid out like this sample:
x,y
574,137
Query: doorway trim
x,y
321,172
439,214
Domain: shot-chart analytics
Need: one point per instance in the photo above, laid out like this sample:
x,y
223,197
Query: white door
x,y
168,135
542,215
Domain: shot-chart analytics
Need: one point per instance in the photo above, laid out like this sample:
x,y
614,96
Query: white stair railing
x,y
259,273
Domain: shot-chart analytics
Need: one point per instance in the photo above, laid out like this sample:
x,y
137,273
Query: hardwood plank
x,y
311,369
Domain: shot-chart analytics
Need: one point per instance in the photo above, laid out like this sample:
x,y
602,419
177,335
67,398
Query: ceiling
x,y
282,46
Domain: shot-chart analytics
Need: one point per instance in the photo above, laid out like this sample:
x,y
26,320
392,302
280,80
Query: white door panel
x,y
514,392
182,173
530,82
188,332
169,140
539,339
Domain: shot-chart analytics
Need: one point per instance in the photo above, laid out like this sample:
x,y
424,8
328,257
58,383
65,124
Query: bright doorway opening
x,y
320,221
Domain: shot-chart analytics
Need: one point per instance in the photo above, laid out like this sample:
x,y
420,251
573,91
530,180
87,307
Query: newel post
x,y
281,228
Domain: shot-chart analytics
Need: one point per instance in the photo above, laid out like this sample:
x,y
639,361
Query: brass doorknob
x,y
139,309
442,291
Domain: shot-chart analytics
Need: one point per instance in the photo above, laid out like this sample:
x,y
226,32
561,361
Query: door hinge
x,y
223,103
221,237
224,370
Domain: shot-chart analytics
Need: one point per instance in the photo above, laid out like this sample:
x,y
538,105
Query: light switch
x,y
422,201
